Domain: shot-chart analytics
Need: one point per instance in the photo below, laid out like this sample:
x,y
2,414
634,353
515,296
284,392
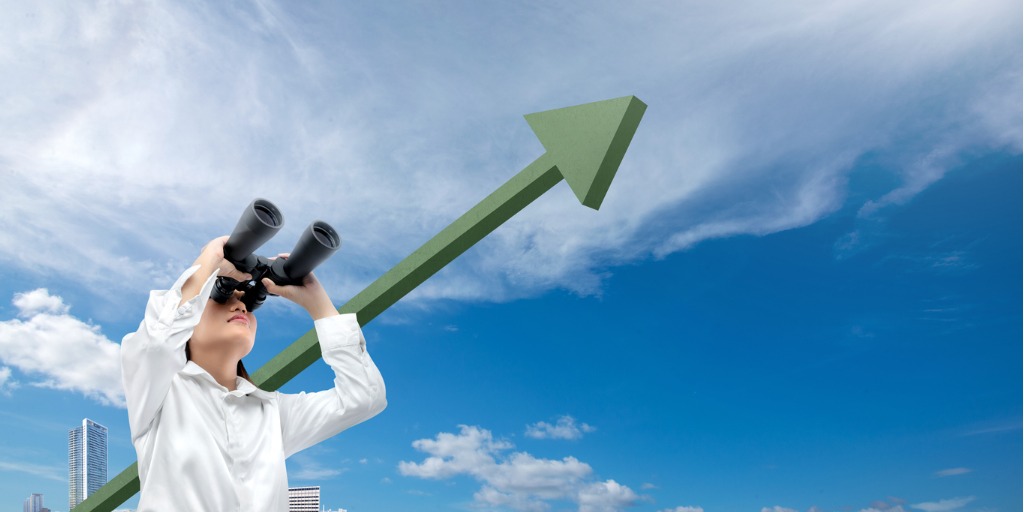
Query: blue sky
x,y
801,292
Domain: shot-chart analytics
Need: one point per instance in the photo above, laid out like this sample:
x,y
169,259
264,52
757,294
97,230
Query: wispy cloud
x,y
944,505
7,384
38,422
63,352
953,472
564,428
317,473
518,481
131,135
56,473
936,261
683,509
306,467
993,428
917,177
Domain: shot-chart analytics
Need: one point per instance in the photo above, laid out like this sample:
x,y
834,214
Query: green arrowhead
x,y
587,142
585,145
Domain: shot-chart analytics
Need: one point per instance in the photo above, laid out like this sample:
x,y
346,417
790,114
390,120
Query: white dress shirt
x,y
204,448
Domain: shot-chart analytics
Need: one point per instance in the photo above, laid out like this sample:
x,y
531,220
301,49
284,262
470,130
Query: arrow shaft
x,y
533,181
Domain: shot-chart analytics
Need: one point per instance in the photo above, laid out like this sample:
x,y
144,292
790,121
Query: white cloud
x,y
7,384
944,505
683,509
777,508
564,428
60,350
57,473
607,496
130,135
468,452
953,472
39,301
519,481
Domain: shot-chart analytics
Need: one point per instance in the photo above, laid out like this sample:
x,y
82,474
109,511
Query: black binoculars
x,y
260,221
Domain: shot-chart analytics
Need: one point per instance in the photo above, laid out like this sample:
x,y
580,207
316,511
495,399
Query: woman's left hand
x,y
310,294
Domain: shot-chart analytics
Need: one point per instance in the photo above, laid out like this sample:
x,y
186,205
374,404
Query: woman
x,y
207,438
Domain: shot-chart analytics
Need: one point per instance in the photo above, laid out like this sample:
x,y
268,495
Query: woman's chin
x,y
231,345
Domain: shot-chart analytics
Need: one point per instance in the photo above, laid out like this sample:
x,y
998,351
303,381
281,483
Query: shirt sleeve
x,y
358,393
155,352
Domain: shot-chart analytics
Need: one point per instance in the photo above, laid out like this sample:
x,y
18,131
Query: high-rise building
x,y
34,503
304,499
87,461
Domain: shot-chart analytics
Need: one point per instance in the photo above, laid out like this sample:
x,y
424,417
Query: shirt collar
x,y
243,386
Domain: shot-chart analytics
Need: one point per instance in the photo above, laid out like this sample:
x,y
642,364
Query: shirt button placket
x,y
225,413
234,446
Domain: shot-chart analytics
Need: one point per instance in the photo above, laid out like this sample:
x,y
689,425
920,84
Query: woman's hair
x,y
240,371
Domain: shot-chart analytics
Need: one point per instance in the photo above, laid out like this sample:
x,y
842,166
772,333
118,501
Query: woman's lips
x,y
241,318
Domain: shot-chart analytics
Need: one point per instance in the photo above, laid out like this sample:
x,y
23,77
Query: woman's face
x,y
227,329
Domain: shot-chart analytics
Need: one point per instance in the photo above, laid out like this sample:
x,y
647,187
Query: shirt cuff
x,y
169,311
339,331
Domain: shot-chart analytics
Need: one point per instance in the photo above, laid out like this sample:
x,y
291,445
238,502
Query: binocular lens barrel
x,y
258,223
317,243
268,214
325,235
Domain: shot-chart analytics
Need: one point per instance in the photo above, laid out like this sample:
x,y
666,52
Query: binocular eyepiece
x,y
260,221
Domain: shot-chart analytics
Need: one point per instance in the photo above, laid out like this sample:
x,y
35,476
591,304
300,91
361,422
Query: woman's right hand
x,y
212,254
211,257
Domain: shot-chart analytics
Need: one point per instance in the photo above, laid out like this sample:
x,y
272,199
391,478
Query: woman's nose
x,y
238,304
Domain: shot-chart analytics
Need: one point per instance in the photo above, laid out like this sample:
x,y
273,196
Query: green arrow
x,y
585,145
